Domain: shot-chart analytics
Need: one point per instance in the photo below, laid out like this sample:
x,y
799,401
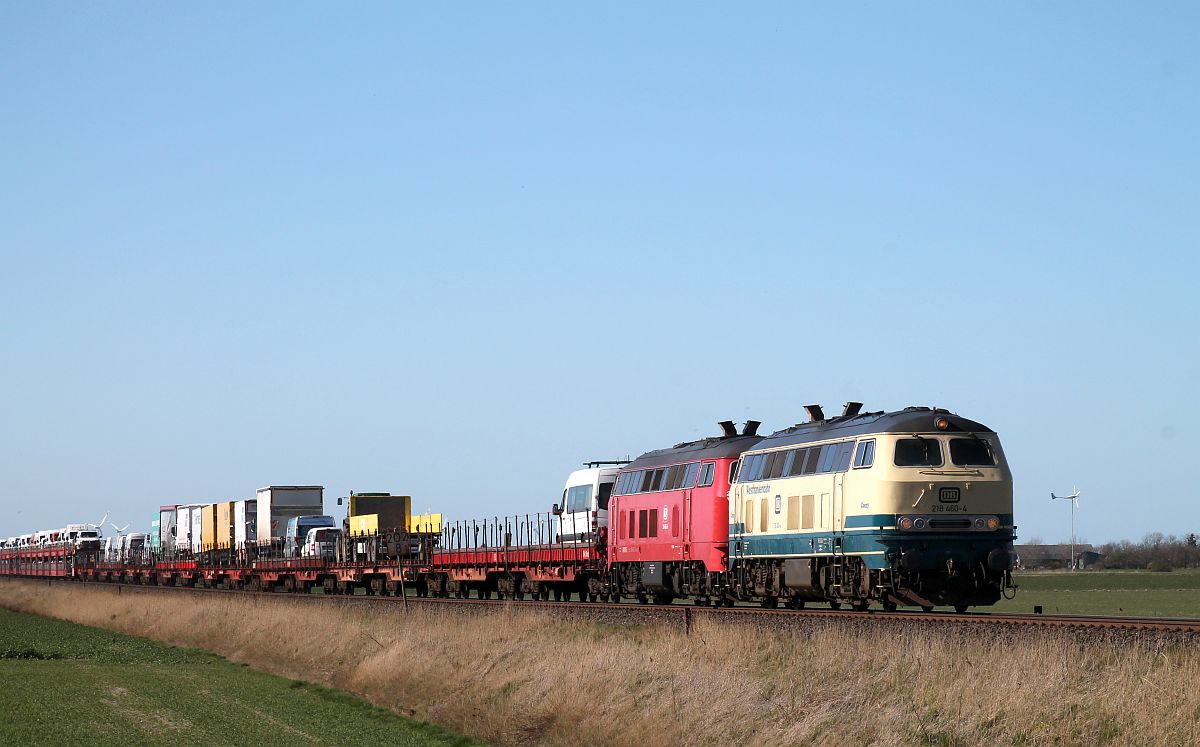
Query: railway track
x,y
685,615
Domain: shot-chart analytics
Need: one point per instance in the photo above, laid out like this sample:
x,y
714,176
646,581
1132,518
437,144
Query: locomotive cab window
x,y
706,474
918,452
606,490
865,456
971,452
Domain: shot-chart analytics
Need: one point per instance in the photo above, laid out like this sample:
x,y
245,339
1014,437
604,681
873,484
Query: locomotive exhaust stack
x,y
852,409
751,428
815,413
728,430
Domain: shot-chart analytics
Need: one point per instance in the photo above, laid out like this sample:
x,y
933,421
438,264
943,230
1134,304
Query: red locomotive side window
x,y
631,526
642,523
654,522
674,521
622,530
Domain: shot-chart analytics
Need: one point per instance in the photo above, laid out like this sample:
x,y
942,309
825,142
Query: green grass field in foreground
x,y
1137,593
69,684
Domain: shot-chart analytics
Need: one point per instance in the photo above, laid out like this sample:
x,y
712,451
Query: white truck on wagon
x,y
276,504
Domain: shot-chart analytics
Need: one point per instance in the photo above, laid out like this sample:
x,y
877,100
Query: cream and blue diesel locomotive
x,y
913,507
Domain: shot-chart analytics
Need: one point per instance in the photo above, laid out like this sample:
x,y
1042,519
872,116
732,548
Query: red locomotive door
x,y
685,531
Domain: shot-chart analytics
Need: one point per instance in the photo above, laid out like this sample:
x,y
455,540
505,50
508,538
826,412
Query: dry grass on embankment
x,y
520,677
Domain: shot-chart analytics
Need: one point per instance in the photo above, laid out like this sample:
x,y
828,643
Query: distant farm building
x,y
1056,556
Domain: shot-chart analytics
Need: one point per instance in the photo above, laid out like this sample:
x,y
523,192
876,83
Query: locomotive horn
x,y
852,409
727,428
751,428
815,413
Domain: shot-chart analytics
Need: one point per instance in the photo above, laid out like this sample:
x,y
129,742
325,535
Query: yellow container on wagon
x,y
208,530
425,523
223,538
368,524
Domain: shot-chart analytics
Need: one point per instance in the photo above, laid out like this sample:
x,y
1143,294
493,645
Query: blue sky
x,y
454,252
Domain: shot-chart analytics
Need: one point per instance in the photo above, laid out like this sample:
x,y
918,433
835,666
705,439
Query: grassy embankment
x,y
518,676
1138,593
68,684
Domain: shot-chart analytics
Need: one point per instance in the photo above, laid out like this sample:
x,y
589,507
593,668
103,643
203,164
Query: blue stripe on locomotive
x,y
866,536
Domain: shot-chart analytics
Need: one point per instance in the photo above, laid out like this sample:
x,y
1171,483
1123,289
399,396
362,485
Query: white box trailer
x,y
166,527
183,527
245,522
197,533
278,503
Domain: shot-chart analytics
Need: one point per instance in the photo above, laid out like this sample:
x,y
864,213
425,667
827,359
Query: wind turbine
x,y
120,530
1074,499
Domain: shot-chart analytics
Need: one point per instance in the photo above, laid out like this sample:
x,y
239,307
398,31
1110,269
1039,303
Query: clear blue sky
x,y
456,251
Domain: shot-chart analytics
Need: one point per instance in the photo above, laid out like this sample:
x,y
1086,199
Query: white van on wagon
x,y
584,508
321,542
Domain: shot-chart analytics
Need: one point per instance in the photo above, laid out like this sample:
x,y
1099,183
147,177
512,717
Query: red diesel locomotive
x,y
668,522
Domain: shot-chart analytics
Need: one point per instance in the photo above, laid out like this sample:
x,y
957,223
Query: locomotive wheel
x,y
889,606
927,608
770,603
835,605
961,608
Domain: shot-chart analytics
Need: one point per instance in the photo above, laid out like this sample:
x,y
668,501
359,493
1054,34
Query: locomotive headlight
x,y
919,524
993,523
942,424
979,523
906,523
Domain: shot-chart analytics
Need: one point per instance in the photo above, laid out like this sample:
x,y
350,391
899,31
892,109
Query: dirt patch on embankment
x,y
519,676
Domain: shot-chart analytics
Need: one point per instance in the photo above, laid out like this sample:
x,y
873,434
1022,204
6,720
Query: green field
x,y
1138,593
68,684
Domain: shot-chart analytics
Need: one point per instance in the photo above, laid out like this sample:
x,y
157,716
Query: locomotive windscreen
x,y
918,452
